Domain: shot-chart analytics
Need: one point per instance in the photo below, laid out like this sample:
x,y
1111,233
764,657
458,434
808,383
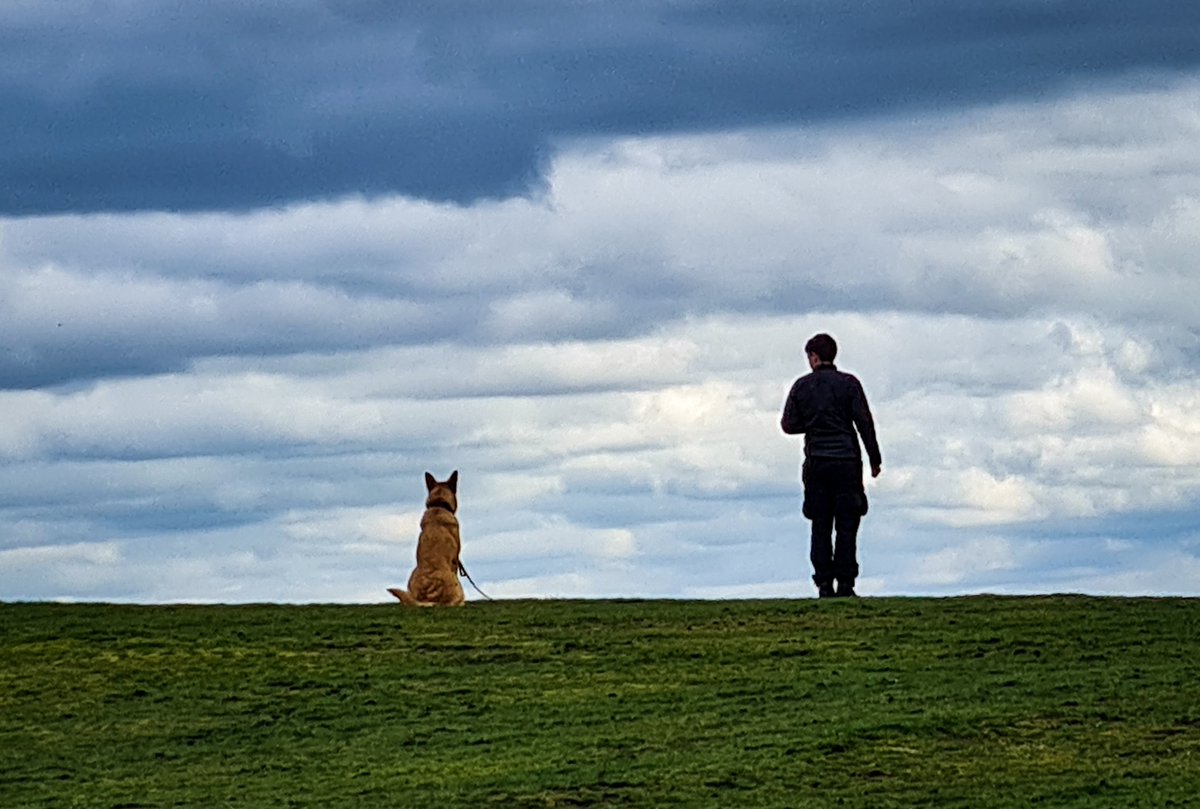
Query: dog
x,y
434,581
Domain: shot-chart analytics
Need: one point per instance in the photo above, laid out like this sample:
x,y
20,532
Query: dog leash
x,y
463,570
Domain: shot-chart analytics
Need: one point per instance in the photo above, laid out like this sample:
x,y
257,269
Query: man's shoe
x,y
825,591
846,591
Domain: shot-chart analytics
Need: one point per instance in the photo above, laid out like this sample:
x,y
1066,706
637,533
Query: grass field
x,y
876,702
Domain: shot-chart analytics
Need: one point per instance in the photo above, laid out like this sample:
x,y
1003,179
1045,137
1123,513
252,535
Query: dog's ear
x,y
429,482
453,481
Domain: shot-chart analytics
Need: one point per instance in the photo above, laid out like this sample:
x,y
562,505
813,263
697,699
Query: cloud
x,y
229,106
652,486
62,325
961,215
239,405
953,565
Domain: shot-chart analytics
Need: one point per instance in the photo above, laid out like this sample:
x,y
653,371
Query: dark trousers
x,y
834,499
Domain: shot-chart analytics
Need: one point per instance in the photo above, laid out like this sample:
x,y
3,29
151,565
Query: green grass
x,y
880,702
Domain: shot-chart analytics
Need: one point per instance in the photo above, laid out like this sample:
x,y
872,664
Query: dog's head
x,y
442,494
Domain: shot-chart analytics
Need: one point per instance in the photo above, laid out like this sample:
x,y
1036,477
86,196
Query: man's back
x,y
826,406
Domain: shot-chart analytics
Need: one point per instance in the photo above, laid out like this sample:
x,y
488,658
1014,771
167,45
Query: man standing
x,y
826,406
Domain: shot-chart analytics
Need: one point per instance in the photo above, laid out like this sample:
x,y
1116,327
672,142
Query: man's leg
x,y
820,507
821,552
848,510
845,553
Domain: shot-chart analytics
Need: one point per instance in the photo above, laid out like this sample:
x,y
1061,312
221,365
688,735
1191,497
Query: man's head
x,y
820,349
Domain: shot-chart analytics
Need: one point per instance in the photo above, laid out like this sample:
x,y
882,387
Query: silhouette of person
x,y
827,406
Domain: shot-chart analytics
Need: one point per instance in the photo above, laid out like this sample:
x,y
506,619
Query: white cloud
x,y
1092,398
86,569
954,565
1007,499
550,538
1169,573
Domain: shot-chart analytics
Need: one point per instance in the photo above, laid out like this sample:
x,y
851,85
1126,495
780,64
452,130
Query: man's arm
x,y
792,423
861,413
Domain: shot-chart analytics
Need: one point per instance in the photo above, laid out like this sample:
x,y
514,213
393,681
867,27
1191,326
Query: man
x,y
827,406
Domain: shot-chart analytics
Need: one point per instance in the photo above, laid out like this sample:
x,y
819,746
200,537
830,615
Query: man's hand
x,y
875,470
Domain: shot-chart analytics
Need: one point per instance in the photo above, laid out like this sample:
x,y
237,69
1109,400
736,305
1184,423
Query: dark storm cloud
x,y
235,105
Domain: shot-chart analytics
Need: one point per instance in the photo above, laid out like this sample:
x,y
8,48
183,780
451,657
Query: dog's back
x,y
440,542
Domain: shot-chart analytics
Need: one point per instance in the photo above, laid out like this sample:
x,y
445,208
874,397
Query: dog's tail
x,y
406,598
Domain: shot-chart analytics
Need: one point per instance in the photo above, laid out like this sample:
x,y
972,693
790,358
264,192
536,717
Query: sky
x,y
263,265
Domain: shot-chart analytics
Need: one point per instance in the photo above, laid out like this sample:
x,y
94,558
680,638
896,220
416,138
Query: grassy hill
x,y
879,702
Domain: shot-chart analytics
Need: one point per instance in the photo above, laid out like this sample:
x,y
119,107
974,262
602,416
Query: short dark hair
x,y
824,346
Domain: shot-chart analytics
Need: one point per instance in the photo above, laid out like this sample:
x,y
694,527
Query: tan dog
x,y
434,581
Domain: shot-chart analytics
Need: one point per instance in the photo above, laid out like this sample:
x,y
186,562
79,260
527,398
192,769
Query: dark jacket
x,y
826,406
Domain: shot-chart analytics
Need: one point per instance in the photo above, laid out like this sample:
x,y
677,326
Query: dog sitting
x,y
434,581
